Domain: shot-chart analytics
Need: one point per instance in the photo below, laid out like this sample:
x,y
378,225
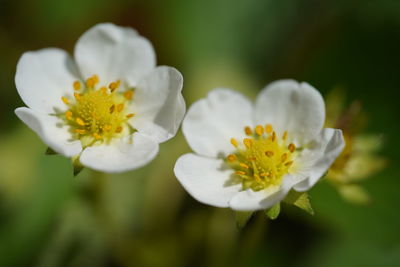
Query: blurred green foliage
x,y
144,218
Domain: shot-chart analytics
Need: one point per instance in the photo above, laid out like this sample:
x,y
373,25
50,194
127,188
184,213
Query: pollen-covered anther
x,y
240,173
128,94
96,136
112,108
77,96
80,121
291,147
231,158
65,100
273,137
247,142
120,107
268,128
114,85
130,115
119,129
77,85
68,114
269,153
259,130
247,130
243,165
284,135
234,142
289,163
284,157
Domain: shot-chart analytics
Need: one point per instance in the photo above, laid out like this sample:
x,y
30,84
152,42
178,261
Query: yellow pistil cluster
x,y
262,159
97,113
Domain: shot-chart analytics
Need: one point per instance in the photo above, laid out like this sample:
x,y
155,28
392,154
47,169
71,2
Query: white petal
x,y
206,179
211,122
121,155
43,77
291,106
114,53
250,200
51,130
158,104
325,149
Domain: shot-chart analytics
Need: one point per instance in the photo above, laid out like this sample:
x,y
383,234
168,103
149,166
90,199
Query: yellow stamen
x,y
68,114
231,158
284,135
259,130
247,130
288,163
247,142
77,96
96,135
103,90
269,153
234,142
107,128
128,94
130,115
119,129
65,100
80,121
291,147
112,108
113,86
243,165
120,107
90,82
268,128
284,157
77,85
240,173
80,131
273,136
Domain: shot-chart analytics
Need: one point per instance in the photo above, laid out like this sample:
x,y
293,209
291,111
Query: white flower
x,y
249,158
110,107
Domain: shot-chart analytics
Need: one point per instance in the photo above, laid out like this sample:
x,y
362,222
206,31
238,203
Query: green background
x,y
144,217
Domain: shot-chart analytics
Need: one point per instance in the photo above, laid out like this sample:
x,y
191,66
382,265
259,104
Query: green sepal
x,y
76,164
242,217
50,151
274,211
300,200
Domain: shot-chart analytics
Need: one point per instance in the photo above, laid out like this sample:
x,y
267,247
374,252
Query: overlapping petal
x,y
319,157
158,104
43,77
211,122
291,106
124,154
206,179
51,131
114,53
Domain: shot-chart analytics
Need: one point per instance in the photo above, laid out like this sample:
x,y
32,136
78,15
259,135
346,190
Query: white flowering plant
x,y
109,106
251,157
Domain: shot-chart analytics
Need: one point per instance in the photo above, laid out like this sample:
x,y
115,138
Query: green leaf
x,y
273,212
300,200
50,151
242,217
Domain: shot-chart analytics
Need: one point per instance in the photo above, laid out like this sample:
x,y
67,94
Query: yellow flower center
x,y
97,113
262,159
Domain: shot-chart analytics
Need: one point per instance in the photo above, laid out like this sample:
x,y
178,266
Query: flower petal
x,y
206,179
291,106
158,104
123,154
323,152
43,77
211,122
250,200
114,53
51,131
